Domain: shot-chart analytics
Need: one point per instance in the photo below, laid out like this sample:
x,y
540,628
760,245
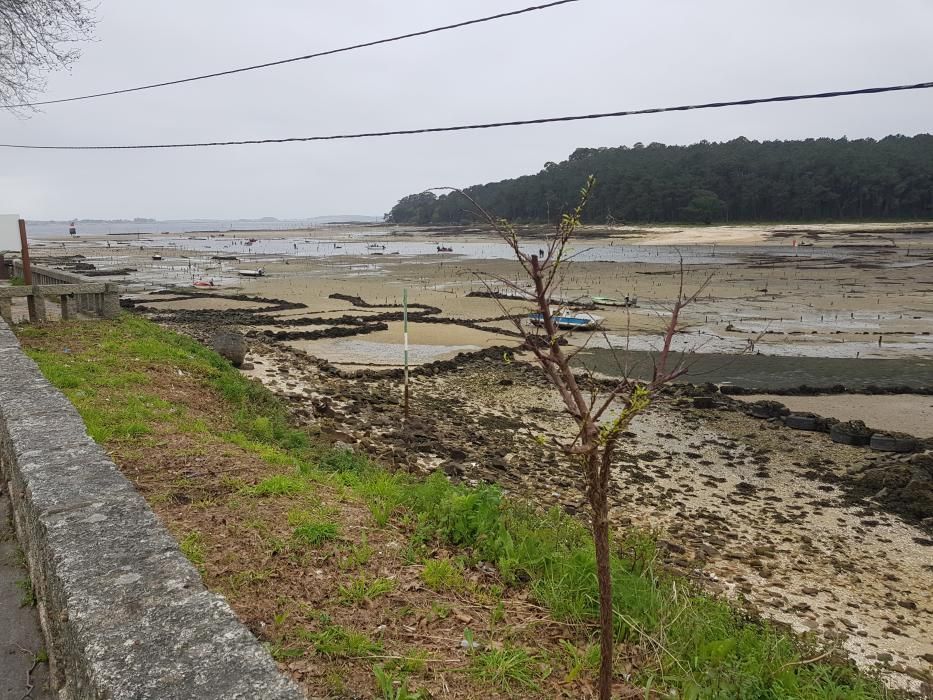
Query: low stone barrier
x,y
75,293
124,613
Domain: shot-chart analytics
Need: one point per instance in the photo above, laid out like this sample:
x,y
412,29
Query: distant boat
x,y
376,246
569,321
251,273
156,257
609,301
805,244
201,284
444,249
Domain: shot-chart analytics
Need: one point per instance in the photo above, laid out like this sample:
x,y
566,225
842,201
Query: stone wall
x,y
124,613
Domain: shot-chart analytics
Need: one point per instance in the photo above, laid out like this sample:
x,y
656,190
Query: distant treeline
x,y
740,180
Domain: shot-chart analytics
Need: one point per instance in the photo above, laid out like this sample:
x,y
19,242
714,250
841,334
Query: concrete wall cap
x,y
125,614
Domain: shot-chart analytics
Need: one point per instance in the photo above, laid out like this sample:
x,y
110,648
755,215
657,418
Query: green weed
x,y
392,688
443,575
440,611
508,668
578,661
27,593
192,546
247,578
279,485
315,533
337,641
284,652
362,589
356,555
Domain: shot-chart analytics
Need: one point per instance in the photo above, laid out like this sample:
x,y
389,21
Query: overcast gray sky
x,y
595,55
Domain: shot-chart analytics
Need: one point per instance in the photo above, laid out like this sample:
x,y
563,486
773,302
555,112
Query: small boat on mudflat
x,y
251,273
609,301
569,321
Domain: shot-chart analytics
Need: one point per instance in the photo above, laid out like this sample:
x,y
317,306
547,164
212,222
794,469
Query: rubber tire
x,y
887,443
800,422
756,411
844,437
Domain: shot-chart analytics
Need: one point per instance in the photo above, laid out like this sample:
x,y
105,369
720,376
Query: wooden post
x,y
27,272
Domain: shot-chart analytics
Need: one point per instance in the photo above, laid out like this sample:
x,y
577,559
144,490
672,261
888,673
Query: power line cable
x,y
496,125
295,59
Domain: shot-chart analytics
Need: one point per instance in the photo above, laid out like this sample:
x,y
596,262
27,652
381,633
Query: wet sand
x,y
765,302
906,413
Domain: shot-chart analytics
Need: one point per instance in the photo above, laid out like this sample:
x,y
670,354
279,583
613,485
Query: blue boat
x,y
568,321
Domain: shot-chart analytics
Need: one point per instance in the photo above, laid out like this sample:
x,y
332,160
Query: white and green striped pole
x,y
405,330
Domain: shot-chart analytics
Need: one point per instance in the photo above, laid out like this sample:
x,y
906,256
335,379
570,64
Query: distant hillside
x,y
740,180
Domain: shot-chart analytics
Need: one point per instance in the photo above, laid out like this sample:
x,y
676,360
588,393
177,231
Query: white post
x,y
405,330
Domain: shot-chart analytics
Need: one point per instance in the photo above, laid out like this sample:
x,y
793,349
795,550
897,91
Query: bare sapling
x,y
598,433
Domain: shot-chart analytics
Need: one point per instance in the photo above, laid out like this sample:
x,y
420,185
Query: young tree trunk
x,y
599,505
595,443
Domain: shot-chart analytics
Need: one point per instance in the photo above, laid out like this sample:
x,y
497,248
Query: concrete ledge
x,y
50,274
124,613
50,290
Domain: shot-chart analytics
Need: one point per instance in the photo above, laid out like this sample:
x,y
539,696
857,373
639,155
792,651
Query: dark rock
x,y
231,346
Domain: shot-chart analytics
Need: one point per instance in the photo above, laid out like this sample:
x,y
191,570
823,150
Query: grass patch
x,y
694,646
356,554
192,546
278,485
315,533
361,590
509,668
578,662
443,575
391,687
337,641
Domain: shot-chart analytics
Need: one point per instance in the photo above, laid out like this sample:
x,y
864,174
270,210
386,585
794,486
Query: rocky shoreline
x,y
833,539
